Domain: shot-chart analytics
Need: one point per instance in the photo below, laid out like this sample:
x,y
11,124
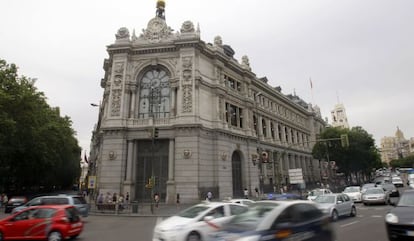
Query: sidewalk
x,y
141,210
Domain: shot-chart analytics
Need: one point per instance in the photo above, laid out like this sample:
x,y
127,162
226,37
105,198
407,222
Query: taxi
x,y
196,222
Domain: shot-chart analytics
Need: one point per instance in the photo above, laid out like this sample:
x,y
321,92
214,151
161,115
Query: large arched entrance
x,y
236,167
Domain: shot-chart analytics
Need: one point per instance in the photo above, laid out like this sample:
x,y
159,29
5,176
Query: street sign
x,y
295,176
91,182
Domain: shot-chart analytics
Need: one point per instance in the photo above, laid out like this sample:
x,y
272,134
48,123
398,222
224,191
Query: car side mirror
x,y
339,201
208,218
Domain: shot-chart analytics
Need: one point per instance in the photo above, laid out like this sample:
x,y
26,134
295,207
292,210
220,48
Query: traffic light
x,y
344,140
151,182
155,132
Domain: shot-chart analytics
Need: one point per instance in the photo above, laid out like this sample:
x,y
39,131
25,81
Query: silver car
x,y
336,205
375,195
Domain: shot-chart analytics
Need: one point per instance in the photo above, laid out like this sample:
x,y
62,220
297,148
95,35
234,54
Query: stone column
x,y
128,184
173,107
133,97
171,190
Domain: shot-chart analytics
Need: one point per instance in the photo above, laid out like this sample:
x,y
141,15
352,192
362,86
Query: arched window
x,y
154,98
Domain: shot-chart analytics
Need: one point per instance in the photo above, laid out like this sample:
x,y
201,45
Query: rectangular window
x,y
234,115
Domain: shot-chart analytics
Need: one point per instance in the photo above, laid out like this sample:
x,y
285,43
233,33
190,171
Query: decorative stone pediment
x,y
122,36
156,31
187,27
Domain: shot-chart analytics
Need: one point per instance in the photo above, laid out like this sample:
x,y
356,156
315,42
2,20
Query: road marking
x,y
348,224
376,216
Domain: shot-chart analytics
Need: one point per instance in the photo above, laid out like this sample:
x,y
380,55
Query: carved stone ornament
x,y
157,30
223,156
218,41
112,155
187,154
187,27
123,33
116,102
245,62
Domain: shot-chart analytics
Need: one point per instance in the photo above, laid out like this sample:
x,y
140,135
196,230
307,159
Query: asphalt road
x,y
368,225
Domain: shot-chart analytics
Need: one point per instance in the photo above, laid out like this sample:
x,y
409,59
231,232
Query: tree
x,y
403,162
358,159
37,146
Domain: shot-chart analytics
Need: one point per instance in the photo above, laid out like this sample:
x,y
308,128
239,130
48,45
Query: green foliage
x,y
361,156
403,162
37,146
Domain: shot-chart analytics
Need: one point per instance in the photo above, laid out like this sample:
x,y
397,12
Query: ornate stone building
x,y
339,118
189,114
396,147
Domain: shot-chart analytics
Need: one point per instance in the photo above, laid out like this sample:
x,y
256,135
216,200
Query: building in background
x,y
180,116
396,147
339,118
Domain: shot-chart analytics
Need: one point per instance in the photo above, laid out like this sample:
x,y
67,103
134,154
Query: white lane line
x,y
376,216
348,224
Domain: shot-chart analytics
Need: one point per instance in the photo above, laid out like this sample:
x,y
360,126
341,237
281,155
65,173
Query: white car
x,y
397,181
317,192
243,201
354,192
196,222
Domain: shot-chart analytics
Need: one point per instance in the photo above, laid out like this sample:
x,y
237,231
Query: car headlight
x,y
391,218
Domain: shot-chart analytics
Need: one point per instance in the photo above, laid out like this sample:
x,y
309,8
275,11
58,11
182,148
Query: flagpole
x,y
311,89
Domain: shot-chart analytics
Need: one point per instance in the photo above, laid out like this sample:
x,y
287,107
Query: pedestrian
x,y
127,198
246,193
5,200
156,199
114,198
257,192
209,196
121,202
100,199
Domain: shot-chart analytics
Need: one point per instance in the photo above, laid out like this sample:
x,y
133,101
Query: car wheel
x,y
54,236
194,236
353,212
334,216
1,236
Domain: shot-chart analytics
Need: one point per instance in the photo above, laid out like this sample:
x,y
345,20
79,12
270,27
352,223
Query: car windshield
x,y
192,212
351,189
407,199
316,192
325,199
250,219
374,191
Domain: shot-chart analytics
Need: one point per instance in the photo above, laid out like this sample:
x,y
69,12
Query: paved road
x,y
368,225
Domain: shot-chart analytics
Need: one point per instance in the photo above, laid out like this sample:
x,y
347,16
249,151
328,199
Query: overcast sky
x,y
357,52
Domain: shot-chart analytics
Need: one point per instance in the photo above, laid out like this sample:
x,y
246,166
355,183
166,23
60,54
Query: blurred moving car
x,y
14,202
397,181
336,205
196,222
354,192
317,192
367,186
283,196
63,199
391,189
375,195
243,201
399,220
51,222
277,220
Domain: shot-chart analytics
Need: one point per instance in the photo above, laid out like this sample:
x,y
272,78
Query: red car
x,y
48,222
